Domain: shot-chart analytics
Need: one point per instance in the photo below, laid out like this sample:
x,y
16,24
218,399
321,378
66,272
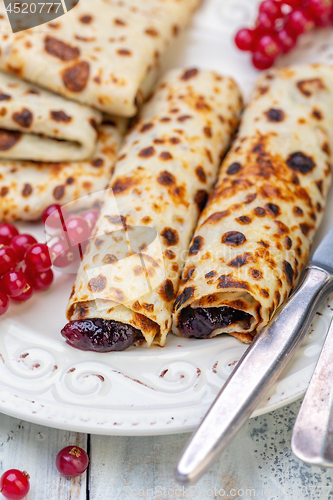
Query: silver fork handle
x,y
254,375
312,439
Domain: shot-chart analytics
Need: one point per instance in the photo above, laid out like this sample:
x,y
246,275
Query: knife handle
x,y
254,375
312,439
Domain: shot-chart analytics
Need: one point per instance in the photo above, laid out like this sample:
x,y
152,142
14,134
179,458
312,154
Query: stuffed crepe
x,y
166,167
38,125
254,236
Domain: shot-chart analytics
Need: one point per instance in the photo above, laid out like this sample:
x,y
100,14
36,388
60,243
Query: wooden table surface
x,y
258,464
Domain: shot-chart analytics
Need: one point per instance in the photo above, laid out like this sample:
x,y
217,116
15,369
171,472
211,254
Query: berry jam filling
x,y
100,335
199,323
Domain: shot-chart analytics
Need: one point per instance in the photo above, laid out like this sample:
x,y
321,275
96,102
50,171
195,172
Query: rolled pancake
x,y
254,236
38,125
103,52
27,188
166,166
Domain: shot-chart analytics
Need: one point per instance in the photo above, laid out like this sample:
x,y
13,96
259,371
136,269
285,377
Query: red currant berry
x,y
271,8
8,259
55,216
21,243
4,303
264,23
293,3
261,62
7,233
72,461
14,484
78,230
91,216
298,22
62,256
38,257
268,46
244,39
41,281
319,8
13,283
25,295
286,40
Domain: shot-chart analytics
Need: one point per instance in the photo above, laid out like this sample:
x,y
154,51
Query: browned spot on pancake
x,y
227,281
183,297
138,270
197,245
23,118
241,260
264,293
4,191
305,228
211,274
174,140
119,22
61,50
256,274
273,209
298,211
250,197
288,243
165,155
189,73
217,216
147,152
124,52
244,219
76,77
146,126
148,307
122,184
166,291
5,97
27,190
117,294
209,155
81,310
58,192
201,174
307,87
207,131
86,19
274,115
109,259
98,162
97,284
187,275
259,211
234,168
282,228
146,220
317,114
289,272
277,297
299,162
117,219
60,116
152,32
201,199
319,207
98,242
8,139
170,254
320,186
233,238
164,120
170,237
183,118
166,178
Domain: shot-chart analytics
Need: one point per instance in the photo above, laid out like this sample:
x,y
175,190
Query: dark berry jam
x,y
199,323
100,335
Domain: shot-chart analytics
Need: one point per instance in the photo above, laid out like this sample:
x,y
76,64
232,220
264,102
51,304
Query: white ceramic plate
x,y
141,391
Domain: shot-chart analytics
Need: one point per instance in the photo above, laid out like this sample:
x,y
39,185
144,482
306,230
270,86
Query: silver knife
x,y
259,367
312,439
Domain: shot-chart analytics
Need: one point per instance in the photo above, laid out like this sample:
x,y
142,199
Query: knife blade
x,y
259,367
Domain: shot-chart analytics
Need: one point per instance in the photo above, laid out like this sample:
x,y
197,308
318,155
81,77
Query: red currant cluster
x,y
72,233
25,266
279,24
71,461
